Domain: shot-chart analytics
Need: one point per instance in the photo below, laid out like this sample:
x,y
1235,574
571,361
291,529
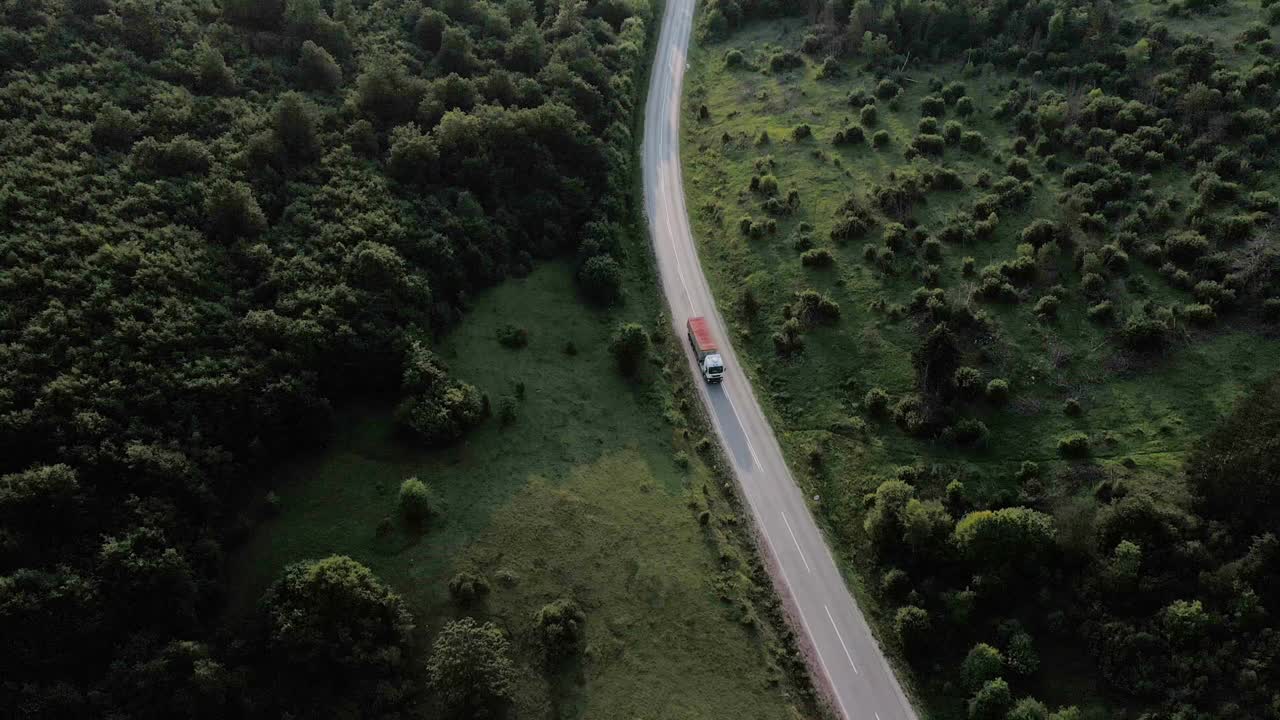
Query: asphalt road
x,y
845,656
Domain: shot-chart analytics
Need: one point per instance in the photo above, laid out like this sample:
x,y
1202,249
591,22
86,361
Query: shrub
x,y
968,431
733,58
928,125
880,138
868,116
630,345
416,501
467,588
513,337
561,628
887,89
1047,307
507,410
785,60
973,141
1074,445
933,105
801,132
1104,313
964,106
998,391
851,135
1071,407
952,131
1144,333
1199,313
929,144
1271,309
817,258
876,402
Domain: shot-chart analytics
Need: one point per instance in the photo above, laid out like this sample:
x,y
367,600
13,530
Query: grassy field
x,y
582,496
1140,414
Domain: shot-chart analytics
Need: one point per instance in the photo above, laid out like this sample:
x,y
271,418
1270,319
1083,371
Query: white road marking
x,y
802,558
846,647
745,436
814,641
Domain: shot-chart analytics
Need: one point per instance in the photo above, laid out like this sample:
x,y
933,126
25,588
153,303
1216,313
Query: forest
x,y
1007,278
218,221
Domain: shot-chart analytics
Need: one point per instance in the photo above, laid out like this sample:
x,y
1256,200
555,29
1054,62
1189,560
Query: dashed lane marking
x,y
802,558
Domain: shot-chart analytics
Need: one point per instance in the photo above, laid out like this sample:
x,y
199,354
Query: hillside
x,y
996,276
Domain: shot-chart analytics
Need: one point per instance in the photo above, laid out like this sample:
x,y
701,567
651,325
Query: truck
x,y
704,349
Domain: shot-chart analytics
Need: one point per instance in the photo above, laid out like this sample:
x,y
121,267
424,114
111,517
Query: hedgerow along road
x,y
845,657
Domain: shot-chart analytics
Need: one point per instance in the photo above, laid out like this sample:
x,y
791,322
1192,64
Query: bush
x,y
233,212
992,702
928,125
887,89
933,105
467,588
817,258
507,410
513,337
801,132
1047,307
416,501
998,391
630,345
852,135
929,144
786,60
973,141
1074,445
876,402
868,116
952,132
964,106
1199,314
880,138
561,628
733,58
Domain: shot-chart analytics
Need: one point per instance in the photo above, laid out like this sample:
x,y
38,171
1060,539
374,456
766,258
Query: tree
x,y
436,409
1234,472
1006,539
926,528
936,362
1023,659
561,628
317,68
992,702
470,670
913,628
41,496
387,93
414,157
114,127
884,522
233,212
257,13
151,580
983,664
1029,709
601,279
333,620
211,71
630,345
416,501
294,120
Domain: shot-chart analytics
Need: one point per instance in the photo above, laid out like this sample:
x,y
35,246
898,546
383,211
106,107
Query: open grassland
x,y
1065,372
582,496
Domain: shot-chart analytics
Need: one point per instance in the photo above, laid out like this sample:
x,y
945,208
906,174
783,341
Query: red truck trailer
x,y
704,349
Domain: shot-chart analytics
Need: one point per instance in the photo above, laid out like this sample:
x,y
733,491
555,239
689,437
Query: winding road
x,y
846,658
